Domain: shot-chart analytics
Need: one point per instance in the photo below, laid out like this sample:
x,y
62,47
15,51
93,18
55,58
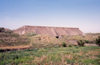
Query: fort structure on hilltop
x,y
53,31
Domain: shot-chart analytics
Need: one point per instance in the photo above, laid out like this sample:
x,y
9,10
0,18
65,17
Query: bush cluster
x,y
81,42
2,29
87,41
98,41
63,44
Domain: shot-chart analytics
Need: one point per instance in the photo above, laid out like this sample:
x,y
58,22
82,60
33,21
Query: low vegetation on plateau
x,y
33,49
10,40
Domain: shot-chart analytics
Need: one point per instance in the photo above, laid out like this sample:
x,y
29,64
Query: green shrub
x,y
2,29
81,42
69,45
63,44
86,41
98,41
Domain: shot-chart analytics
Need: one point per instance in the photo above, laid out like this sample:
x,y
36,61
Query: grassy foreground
x,y
52,56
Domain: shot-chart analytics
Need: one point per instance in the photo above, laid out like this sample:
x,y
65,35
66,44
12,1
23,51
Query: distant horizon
x,y
39,26
82,14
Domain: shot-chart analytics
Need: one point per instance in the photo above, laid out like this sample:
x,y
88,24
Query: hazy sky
x,y
84,14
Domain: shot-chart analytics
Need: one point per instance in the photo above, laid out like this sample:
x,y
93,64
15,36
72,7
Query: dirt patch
x,y
12,48
91,45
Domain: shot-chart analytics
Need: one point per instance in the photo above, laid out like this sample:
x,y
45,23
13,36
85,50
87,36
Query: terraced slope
x,y
8,39
53,31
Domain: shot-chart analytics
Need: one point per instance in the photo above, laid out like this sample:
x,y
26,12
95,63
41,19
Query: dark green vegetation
x,y
53,56
98,41
81,42
63,44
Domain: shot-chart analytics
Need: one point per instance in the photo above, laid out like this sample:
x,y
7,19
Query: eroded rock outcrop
x,y
53,31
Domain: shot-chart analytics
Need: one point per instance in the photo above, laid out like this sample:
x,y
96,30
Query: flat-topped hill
x,y
53,31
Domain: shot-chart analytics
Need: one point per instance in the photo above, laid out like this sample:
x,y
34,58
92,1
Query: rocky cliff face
x,y
53,31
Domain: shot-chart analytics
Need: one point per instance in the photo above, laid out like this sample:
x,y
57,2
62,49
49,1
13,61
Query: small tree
x,y
86,41
98,41
81,42
2,29
64,44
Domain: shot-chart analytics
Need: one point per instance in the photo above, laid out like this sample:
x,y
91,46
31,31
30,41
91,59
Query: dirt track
x,y
12,48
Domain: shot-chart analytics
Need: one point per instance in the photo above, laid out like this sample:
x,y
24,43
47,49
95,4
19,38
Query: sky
x,y
83,14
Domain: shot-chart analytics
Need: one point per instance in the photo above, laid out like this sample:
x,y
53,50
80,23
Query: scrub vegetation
x,y
52,56
33,49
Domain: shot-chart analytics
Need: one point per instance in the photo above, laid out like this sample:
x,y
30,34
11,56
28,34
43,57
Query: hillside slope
x,y
53,31
8,39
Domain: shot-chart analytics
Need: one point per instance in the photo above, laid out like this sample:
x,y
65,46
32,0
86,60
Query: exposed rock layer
x,y
53,31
